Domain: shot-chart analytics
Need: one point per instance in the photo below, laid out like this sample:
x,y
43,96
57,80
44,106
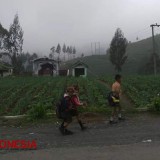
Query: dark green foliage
x,y
64,51
38,96
26,59
3,37
13,44
157,103
51,55
70,50
64,48
58,50
118,50
74,52
38,111
3,31
15,40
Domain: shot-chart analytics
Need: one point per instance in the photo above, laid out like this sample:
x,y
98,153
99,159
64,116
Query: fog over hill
x,y
79,22
138,53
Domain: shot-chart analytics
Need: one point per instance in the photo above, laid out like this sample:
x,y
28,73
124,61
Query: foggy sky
x,y
79,22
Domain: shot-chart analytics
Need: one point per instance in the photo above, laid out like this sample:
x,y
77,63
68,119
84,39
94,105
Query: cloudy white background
x,y
79,22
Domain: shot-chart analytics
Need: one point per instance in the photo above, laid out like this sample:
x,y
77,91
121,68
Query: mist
x,y
79,22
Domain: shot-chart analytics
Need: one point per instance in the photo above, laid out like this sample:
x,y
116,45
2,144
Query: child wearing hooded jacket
x,y
73,102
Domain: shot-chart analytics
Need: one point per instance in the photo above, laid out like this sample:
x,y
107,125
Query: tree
x,y
51,55
118,50
58,50
82,55
26,61
14,43
74,52
30,58
68,51
64,51
3,37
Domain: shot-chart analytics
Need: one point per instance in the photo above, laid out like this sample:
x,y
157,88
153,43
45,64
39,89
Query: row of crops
x,y
21,95
143,91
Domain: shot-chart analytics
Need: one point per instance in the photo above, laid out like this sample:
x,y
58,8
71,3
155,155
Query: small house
x,y
5,69
45,67
79,69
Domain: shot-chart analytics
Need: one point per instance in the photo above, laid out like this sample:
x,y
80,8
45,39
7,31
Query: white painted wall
x,y
85,71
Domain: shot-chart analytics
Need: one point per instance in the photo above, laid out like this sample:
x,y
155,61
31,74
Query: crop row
x,y
18,95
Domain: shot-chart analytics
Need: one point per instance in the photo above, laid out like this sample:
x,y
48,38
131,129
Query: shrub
x,y
157,103
37,112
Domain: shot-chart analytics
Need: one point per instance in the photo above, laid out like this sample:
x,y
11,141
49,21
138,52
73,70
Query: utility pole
x,y
154,53
91,49
95,48
99,47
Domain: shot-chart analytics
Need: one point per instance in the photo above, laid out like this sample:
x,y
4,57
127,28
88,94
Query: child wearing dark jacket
x,y
73,102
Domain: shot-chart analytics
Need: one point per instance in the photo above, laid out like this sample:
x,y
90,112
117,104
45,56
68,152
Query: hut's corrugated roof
x,y
78,63
72,65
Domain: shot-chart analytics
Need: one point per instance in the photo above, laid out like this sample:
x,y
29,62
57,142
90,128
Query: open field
x,y
20,95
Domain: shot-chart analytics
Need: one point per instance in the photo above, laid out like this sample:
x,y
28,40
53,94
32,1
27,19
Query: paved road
x,y
100,141
114,152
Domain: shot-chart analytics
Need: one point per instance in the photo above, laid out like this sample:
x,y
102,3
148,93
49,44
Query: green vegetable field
x,y
28,95
22,95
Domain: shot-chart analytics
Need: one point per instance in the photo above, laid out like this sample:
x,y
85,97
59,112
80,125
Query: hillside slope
x,y
138,55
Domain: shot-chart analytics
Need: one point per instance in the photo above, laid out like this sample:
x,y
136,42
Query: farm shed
x,y
45,67
79,69
5,69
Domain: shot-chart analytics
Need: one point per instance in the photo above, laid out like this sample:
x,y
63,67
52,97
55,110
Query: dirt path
x,y
126,103
100,139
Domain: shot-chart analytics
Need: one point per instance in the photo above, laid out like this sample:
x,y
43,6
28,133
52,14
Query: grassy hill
x,y
138,55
